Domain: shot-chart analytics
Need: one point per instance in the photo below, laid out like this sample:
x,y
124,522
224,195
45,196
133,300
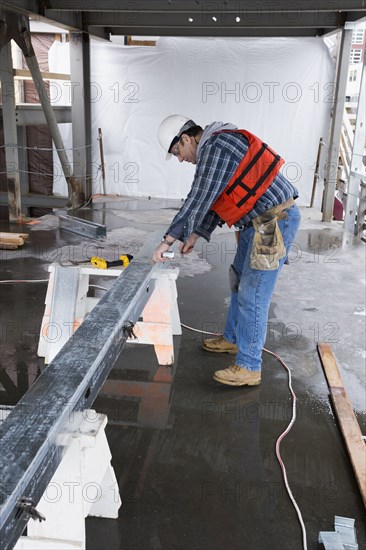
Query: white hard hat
x,y
172,128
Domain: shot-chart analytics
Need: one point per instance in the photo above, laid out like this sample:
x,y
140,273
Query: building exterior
x,y
356,62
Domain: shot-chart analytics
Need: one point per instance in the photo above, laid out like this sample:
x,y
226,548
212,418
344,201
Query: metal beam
x,y
212,19
81,110
42,201
30,436
32,114
331,171
99,32
10,134
86,228
218,31
192,6
193,18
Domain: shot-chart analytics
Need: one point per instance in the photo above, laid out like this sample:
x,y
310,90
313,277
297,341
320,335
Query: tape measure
x,y
101,263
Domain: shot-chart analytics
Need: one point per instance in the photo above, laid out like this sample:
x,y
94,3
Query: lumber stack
x,y
11,241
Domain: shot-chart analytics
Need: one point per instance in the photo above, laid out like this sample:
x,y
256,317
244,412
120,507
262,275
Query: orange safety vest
x,y
254,174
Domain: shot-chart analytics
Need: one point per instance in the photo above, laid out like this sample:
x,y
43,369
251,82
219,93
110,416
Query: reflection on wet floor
x,y
138,391
194,460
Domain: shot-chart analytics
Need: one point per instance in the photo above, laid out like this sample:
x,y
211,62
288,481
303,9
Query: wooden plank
x,y
18,241
330,366
26,75
5,235
346,417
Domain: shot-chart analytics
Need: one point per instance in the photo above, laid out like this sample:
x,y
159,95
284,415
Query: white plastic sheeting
x,y
278,88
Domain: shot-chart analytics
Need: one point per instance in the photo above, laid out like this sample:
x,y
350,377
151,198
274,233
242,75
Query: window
x,y
352,75
357,36
355,55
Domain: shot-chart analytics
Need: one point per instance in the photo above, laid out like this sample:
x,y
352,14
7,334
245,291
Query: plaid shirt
x,y
217,160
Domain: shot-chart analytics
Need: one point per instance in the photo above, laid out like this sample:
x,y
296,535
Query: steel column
x,y
330,179
10,134
81,109
23,165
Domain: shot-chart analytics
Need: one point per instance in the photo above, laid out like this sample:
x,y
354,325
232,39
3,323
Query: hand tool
x,y
124,260
169,255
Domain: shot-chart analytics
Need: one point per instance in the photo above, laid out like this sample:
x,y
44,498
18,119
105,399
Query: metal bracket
x,y
29,508
88,229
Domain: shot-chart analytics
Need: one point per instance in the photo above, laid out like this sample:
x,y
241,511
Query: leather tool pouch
x,y
268,247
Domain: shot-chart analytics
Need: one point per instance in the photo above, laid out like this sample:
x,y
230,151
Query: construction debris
x,y
11,241
342,538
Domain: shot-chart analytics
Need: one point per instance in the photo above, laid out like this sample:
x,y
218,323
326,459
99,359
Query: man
x,y
236,181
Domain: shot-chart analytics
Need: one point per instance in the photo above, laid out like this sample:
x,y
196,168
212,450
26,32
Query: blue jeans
x,y
246,324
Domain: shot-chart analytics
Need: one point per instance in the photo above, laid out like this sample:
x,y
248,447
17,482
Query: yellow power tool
x,y
124,260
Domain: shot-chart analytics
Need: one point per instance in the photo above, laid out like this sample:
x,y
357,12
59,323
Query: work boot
x,y
219,345
238,376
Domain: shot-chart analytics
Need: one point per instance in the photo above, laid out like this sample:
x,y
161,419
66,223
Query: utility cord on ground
x,y
281,437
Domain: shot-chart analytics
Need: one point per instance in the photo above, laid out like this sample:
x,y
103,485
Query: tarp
x,y
280,89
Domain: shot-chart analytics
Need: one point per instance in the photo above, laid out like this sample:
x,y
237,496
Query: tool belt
x,y
268,247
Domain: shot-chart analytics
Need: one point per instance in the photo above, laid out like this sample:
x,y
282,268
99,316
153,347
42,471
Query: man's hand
x,y
188,246
157,255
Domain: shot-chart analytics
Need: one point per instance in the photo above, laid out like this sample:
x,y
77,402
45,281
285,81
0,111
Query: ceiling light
x,y
214,18
237,19
190,19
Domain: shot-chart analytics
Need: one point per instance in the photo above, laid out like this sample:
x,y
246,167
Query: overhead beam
x,y
212,19
218,31
193,18
192,6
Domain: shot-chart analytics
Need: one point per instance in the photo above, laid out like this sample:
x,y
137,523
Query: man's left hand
x,y
188,246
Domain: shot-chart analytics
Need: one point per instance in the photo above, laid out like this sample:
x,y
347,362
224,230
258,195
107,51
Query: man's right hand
x,y
157,255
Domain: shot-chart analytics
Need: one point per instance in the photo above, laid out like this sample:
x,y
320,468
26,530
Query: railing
x,y
347,138
350,184
361,212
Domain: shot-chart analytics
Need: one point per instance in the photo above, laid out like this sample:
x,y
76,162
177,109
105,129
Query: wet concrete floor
x,y
196,464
